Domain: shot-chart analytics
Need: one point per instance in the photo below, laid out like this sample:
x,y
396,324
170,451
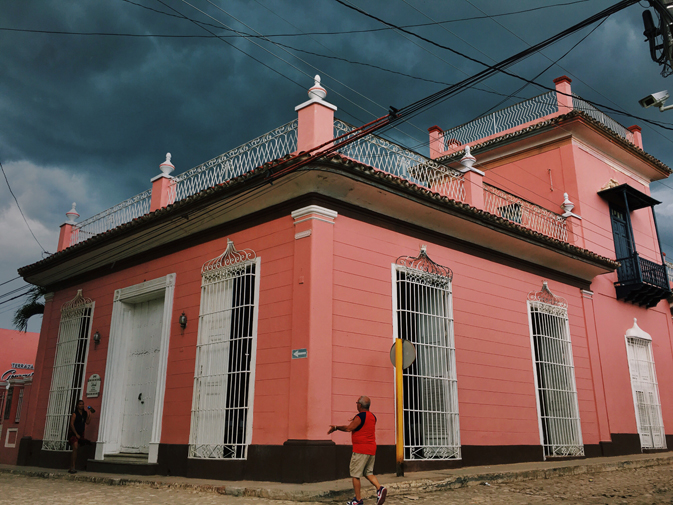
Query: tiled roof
x,y
455,156
333,161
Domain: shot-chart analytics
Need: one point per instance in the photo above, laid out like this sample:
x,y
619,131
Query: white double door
x,y
142,328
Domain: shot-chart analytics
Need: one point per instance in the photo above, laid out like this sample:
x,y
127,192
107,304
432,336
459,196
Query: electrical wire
x,y
21,211
10,280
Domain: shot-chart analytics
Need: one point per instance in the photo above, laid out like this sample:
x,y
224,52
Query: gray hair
x,y
365,402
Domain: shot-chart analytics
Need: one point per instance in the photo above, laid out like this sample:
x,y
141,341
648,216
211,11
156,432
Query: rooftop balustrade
x,y
529,111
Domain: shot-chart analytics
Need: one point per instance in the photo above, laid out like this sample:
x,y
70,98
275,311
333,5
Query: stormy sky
x,y
88,115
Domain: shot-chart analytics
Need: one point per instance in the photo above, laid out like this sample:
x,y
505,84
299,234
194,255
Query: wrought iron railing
x,y
123,212
634,269
529,215
501,120
396,160
243,159
669,271
584,106
238,161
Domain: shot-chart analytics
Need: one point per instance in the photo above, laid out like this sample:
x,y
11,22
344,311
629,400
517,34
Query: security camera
x,y
657,99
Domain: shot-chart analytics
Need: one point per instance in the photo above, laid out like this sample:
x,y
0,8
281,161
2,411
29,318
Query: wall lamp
x,y
96,337
183,321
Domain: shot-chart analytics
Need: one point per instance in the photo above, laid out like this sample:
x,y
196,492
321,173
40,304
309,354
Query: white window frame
x,y
7,433
651,410
19,404
210,437
556,440
62,399
433,283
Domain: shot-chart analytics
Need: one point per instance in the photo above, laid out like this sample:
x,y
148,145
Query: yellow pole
x,y
399,453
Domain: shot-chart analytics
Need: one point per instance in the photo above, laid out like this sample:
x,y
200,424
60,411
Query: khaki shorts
x,y
362,465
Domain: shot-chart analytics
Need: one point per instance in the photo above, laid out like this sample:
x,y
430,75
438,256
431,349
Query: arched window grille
x,y
645,389
225,356
67,378
559,418
423,314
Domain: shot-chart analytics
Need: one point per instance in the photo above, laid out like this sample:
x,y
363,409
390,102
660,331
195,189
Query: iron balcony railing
x,y
521,113
123,212
636,270
527,214
669,270
501,120
245,158
394,159
241,160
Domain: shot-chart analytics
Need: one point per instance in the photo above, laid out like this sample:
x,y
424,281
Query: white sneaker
x,y
381,495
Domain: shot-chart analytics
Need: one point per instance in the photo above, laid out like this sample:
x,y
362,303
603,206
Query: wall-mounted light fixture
x,y
96,337
183,321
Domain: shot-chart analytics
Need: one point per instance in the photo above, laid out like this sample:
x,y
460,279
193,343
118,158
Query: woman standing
x,y
78,421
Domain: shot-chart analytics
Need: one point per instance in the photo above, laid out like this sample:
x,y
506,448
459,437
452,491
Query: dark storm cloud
x,y
103,111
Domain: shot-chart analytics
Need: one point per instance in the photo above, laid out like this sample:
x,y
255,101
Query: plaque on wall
x,y
93,386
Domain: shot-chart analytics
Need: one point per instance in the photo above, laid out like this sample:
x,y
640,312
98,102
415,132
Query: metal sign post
x,y
402,355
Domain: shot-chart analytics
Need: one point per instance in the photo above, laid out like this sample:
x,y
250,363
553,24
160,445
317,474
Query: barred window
x,y
19,404
225,356
424,315
8,403
69,367
645,393
560,430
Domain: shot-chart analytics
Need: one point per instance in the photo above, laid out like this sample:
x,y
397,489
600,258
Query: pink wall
x,y
493,350
17,347
8,455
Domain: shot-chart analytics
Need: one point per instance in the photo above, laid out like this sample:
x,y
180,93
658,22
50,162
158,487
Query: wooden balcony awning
x,y
619,195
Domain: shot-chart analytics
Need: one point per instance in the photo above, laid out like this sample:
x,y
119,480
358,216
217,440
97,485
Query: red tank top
x,y
364,437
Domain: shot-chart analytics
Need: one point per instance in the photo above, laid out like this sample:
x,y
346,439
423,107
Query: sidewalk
x,y
341,490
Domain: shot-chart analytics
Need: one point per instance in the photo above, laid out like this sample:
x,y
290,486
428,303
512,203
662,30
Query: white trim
x,y
109,432
302,234
11,430
321,212
315,100
535,381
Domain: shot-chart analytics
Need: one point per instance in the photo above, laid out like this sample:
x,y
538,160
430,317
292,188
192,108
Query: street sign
x,y
299,353
408,354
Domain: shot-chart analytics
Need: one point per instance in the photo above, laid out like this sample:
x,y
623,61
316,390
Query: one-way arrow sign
x,y
299,353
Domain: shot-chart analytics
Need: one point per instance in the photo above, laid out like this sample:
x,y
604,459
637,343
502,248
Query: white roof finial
x,y
72,214
468,160
317,91
167,167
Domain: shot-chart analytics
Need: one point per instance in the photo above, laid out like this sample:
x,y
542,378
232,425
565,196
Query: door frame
x,y
109,432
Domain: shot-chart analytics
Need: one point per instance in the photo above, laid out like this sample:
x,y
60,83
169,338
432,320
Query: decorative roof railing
x,y
584,106
245,158
669,271
394,159
521,113
123,212
241,160
529,215
501,120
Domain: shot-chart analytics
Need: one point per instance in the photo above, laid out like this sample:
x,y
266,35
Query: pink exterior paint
x,y
564,94
637,135
315,125
161,192
436,141
64,237
473,183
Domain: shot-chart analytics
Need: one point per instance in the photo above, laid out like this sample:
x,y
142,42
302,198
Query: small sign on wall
x,y
93,386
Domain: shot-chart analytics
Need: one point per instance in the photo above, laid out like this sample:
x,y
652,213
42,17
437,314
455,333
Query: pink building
x,y
219,322
17,366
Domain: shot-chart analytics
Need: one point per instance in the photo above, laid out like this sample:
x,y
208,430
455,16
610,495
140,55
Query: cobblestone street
x,y
643,486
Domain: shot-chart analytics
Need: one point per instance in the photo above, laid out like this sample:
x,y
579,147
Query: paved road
x,y
645,486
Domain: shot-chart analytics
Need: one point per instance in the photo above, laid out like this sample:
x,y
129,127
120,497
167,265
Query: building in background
x,y
221,321
17,365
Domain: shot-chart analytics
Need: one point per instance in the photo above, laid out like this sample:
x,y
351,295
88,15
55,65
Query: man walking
x,y
363,434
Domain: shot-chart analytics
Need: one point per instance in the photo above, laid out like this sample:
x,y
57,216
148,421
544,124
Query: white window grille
x,y
559,418
19,404
645,389
225,356
67,378
423,314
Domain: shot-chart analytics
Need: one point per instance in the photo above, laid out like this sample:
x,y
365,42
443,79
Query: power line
x,y
19,207
10,280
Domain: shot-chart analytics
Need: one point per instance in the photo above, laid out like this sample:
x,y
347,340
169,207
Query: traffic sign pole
x,y
399,446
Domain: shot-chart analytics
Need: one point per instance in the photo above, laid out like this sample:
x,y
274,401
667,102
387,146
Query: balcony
x,y
641,281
